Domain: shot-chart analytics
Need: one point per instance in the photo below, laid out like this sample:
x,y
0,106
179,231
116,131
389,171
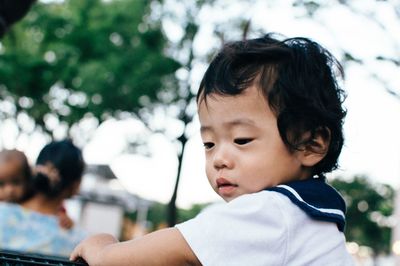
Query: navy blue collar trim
x,y
316,198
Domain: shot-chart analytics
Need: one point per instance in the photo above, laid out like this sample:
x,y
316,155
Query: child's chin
x,y
228,199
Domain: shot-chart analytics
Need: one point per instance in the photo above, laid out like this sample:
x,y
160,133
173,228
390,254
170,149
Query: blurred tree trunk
x,y
184,116
172,209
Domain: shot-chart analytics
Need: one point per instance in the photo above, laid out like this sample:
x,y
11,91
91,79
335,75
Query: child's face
x,y
12,183
244,151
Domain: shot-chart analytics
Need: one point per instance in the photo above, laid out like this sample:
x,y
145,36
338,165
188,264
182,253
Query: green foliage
x,y
86,57
157,214
369,207
186,214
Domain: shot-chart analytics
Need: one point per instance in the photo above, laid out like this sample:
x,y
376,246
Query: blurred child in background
x,y
16,182
33,225
15,176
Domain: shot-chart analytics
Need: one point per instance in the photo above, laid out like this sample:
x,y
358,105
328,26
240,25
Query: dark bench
x,y
13,258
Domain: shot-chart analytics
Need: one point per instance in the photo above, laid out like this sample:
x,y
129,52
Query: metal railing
x,y
13,258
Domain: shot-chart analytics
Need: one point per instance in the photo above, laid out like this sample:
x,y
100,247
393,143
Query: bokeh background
x,y
119,77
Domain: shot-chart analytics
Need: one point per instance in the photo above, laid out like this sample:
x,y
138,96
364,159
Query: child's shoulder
x,y
10,213
316,199
264,205
267,218
9,206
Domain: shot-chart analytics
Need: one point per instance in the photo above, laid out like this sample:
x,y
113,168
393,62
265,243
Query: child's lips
x,y
225,188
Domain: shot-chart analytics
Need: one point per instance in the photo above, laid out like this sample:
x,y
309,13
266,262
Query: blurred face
x,y
244,151
12,182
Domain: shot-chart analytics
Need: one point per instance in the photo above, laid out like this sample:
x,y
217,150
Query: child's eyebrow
x,y
240,122
205,129
233,123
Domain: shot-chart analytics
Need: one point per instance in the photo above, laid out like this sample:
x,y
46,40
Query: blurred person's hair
x,y
59,165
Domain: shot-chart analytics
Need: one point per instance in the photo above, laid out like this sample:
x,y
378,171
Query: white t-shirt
x,y
263,228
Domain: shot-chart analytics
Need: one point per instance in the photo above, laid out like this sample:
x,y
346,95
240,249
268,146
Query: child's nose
x,y
222,158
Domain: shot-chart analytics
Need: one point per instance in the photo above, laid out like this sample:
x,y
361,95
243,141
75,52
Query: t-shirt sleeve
x,y
249,230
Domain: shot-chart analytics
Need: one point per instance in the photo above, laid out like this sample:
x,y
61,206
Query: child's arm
x,y
163,247
64,220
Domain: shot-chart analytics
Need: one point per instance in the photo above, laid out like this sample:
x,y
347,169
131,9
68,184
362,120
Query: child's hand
x,y
64,220
91,248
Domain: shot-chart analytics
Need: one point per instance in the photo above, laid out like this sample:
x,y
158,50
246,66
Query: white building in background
x,y
102,202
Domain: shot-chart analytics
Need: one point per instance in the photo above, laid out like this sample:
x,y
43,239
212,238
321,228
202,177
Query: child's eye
x,y
208,145
242,141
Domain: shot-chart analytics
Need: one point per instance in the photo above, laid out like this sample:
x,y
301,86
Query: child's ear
x,y
316,148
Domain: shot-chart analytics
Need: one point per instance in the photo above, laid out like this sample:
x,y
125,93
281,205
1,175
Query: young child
x,y
15,174
271,121
15,182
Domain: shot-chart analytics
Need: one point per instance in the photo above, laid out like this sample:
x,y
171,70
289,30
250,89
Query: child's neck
x,y
43,205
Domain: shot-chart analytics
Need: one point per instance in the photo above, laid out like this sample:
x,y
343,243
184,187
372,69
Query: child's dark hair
x,y
297,77
67,159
